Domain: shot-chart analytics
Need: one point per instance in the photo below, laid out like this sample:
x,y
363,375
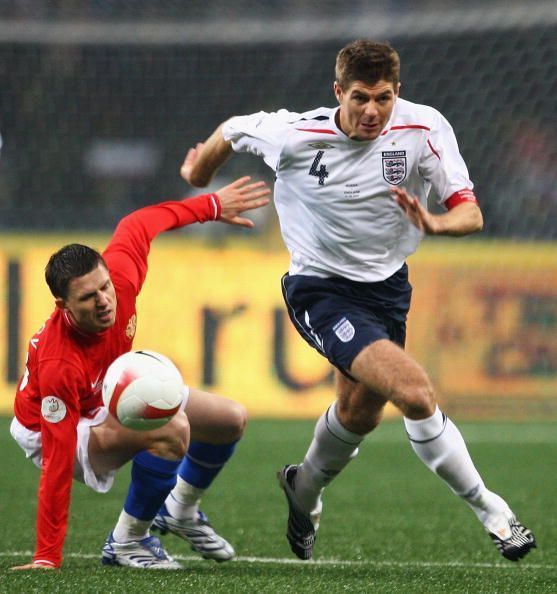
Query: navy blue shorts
x,y
339,317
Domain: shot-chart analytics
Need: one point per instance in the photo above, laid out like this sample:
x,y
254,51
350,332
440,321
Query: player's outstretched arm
x,y
463,219
239,196
202,161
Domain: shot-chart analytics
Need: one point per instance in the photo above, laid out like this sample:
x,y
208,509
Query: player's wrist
x,y
217,206
435,225
207,206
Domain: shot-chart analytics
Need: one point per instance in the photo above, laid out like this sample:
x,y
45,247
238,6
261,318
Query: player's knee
x,y
172,440
417,400
237,418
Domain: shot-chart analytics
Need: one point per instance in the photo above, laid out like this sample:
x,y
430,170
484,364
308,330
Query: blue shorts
x,y
339,317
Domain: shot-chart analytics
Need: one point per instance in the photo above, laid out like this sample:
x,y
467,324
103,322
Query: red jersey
x,y
66,366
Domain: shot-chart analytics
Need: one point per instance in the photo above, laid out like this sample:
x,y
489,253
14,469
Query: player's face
x,y
91,300
365,109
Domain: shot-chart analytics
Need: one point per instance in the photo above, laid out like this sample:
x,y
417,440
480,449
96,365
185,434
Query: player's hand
x,y
189,161
419,216
239,196
32,566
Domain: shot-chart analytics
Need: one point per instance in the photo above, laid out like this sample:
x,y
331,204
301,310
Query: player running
x,y
60,421
351,193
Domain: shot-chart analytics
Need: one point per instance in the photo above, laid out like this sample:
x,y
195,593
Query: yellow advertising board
x,y
483,323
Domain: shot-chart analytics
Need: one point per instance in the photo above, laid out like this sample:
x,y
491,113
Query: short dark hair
x,y
367,61
69,262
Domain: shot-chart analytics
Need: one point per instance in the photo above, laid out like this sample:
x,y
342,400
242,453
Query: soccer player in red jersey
x,y
60,421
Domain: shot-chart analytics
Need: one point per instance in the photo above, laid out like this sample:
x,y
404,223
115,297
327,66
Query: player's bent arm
x,y
202,161
464,215
463,219
129,247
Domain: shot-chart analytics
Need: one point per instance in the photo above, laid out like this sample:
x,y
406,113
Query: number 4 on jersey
x,y
320,173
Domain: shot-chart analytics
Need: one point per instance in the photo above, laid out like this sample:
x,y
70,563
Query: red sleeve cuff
x,y
199,209
45,562
217,208
460,197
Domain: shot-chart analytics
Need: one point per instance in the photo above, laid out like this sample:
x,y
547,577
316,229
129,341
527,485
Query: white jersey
x,y
332,194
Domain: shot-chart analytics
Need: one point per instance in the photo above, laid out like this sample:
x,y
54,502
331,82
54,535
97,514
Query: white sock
x,y
330,451
439,444
491,510
130,528
183,501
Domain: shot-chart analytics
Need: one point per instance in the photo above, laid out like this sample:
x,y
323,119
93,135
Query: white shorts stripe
x,y
311,337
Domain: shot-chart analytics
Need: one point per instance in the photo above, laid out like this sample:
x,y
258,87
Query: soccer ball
x,y
143,390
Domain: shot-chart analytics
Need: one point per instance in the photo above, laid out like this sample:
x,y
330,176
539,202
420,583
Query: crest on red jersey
x,y
394,166
53,409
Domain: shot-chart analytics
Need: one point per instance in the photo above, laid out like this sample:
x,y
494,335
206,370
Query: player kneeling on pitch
x,y
60,421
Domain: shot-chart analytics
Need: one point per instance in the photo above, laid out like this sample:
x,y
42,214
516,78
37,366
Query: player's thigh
x,y
111,445
214,419
385,369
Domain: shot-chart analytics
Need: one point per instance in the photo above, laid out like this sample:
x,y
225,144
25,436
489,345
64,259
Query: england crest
x,y
344,330
394,166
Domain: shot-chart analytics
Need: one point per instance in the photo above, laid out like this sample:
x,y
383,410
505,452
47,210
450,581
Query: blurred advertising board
x,y
483,323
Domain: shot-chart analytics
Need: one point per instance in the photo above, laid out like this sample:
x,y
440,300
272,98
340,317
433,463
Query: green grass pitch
x,y
388,524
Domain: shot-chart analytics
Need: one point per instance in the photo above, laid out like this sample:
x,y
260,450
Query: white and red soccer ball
x,y
143,389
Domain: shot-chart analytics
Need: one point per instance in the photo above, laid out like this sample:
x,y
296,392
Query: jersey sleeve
x,y
127,252
59,385
442,164
262,134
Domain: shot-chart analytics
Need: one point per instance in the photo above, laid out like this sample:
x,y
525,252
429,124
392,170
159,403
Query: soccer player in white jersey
x,y
351,193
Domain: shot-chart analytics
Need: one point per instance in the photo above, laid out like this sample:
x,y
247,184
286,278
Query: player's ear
x,y
397,90
338,91
60,303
